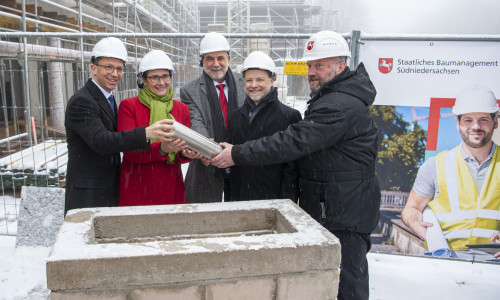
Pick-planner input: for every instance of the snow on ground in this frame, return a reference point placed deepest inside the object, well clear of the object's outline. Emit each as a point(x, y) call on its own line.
point(22, 271)
point(9, 209)
point(392, 277)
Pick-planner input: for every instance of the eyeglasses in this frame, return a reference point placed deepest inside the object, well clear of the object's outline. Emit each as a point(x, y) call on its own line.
point(156, 78)
point(111, 69)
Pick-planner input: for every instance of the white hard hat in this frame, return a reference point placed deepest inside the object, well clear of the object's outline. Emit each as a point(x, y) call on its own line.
point(258, 60)
point(213, 42)
point(325, 44)
point(110, 47)
point(475, 99)
point(156, 60)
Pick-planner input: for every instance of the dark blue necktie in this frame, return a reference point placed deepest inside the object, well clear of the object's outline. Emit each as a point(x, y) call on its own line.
point(111, 101)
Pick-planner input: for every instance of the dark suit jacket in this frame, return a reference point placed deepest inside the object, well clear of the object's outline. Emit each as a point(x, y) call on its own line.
point(94, 146)
point(272, 181)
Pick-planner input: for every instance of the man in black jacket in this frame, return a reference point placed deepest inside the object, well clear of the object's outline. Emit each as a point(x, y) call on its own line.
point(261, 115)
point(94, 146)
point(336, 147)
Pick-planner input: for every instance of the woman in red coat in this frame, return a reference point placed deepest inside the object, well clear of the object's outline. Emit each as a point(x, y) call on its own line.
point(154, 177)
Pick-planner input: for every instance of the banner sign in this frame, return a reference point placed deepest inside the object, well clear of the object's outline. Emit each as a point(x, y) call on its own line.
point(295, 68)
point(410, 73)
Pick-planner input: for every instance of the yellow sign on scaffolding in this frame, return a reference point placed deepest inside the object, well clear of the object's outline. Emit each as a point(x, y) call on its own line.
point(295, 68)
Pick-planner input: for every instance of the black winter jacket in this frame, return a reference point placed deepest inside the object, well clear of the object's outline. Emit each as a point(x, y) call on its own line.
point(336, 145)
point(275, 181)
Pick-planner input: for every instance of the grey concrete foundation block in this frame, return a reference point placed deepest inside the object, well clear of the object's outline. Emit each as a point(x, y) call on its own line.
point(40, 216)
point(190, 244)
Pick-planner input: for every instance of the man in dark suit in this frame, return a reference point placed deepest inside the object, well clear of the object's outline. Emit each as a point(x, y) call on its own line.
point(94, 146)
point(211, 98)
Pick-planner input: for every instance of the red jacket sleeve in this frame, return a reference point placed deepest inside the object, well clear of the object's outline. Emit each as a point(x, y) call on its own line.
point(132, 114)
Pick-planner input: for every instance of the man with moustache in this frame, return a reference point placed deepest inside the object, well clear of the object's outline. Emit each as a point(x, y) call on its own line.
point(336, 146)
point(211, 98)
point(460, 185)
point(94, 146)
point(261, 115)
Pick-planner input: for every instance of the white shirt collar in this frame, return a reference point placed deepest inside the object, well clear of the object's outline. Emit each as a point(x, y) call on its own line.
point(216, 83)
point(106, 94)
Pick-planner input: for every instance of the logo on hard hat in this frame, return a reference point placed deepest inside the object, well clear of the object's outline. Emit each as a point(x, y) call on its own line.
point(385, 65)
point(310, 45)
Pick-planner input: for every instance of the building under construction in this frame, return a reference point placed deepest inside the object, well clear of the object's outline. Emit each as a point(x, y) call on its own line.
point(45, 49)
point(57, 67)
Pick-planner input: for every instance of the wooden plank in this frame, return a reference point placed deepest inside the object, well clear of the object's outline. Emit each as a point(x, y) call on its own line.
point(11, 23)
point(72, 21)
point(9, 3)
point(50, 14)
point(30, 8)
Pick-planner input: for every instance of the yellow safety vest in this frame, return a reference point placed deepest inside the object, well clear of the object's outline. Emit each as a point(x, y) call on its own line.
point(464, 217)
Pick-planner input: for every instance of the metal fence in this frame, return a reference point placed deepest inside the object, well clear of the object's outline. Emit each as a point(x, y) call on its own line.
point(39, 71)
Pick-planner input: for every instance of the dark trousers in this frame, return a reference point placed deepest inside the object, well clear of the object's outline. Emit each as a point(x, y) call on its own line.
point(354, 283)
point(227, 190)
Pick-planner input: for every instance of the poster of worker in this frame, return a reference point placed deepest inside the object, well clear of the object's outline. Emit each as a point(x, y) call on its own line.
point(417, 85)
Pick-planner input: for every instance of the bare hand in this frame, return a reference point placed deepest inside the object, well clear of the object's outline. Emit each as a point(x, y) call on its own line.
point(160, 130)
point(205, 161)
point(495, 239)
point(191, 154)
point(412, 214)
point(420, 228)
point(173, 146)
point(224, 159)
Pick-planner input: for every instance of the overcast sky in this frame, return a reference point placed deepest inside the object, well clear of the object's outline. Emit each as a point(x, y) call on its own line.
point(419, 16)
